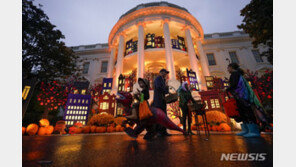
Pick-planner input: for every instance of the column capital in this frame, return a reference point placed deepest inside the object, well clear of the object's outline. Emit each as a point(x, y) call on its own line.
point(141, 23)
point(122, 33)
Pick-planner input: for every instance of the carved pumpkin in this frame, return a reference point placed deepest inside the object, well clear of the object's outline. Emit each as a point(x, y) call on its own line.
point(86, 129)
point(93, 129)
point(42, 131)
point(32, 129)
point(49, 130)
point(23, 130)
point(224, 127)
point(44, 122)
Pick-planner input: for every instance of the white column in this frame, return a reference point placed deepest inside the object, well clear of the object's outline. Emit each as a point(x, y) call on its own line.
point(203, 59)
point(119, 64)
point(192, 57)
point(168, 51)
point(111, 62)
point(141, 64)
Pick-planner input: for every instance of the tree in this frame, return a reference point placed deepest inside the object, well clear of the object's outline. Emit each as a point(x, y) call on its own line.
point(258, 23)
point(44, 54)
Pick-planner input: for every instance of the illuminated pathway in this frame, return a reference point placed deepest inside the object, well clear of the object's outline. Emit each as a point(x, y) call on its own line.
point(120, 150)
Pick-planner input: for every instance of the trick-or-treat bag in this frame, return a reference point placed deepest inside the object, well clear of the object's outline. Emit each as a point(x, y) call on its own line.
point(144, 110)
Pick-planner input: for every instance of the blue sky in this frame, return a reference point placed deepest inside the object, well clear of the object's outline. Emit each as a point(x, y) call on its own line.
point(90, 21)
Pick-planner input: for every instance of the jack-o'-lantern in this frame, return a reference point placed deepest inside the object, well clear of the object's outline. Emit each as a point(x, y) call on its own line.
point(32, 129)
point(44, 122)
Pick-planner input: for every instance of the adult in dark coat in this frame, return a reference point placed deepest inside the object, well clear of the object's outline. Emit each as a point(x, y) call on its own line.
point(160, 89)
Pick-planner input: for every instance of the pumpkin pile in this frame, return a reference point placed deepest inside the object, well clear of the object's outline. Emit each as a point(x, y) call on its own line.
point(45, 128)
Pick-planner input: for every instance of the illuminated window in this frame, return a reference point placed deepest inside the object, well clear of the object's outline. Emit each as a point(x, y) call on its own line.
point(217, 103)
point(105, 84)
point(85, 112)
point(74, 101)
point(67, 117)
point(83, 91)
point(83, 101)
point(75, 117)
point(206, 102)
point(68, 107)
point(86, 101)
point(70, 100)
point(109, 85)
point(84, 117)
point(78, 117)
point(106, 98)
point(104, 106)
point(26, 92)
point(112, 105)
point(79, 100)
point(74, 107)
point(79, 112)
point(86, 107)
point(70, 111)
point(83, 122)
point(72, 122)
point(213, 103)
point(75, 92)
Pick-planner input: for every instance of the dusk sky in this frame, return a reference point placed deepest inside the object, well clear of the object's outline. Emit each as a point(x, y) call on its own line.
point(86, 22)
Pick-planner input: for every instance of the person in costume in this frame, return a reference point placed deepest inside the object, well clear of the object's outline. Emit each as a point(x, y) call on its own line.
point(185, 97)
point(250, 109)
point(158, 116)
point(160, 90)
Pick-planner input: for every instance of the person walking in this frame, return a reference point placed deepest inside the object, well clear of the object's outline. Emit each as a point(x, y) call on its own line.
point(185, 97)
point(246, 101)
point(160, 90)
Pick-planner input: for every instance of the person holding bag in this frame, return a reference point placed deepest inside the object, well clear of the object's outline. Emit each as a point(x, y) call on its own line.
point(185, 97)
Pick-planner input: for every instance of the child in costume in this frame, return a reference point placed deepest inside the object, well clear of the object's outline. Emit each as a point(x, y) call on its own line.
point(250, 109)
point(185, 97)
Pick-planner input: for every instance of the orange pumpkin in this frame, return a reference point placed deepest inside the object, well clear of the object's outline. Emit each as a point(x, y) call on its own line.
point(110, 129)
point(98, 130)
point(32, 129)
point(23, 130)
point(78, 125)
point(42, 131)
point(214, 128)
point(49, 130)
point(224, 127)
point(44, 122)
point(118, 128)
point(121, 129)
point(86, 129)
point(72, 130)
point(93, 129)
point(78, 130)
point(103, 129)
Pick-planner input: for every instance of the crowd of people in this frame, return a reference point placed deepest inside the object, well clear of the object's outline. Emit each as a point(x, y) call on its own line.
point(251, 112)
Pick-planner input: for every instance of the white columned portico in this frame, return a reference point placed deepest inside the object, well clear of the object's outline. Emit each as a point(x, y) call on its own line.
point(192, 57)
point(111, 62)
point(203, 59)
point(168, 51)
point(141, 64)
point(119, 64)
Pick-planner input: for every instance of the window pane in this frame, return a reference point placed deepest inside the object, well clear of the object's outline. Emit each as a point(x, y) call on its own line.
point(104, 66)
point(233, 57)
point(211, 59)
point(257, 56)
point(85, 68)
